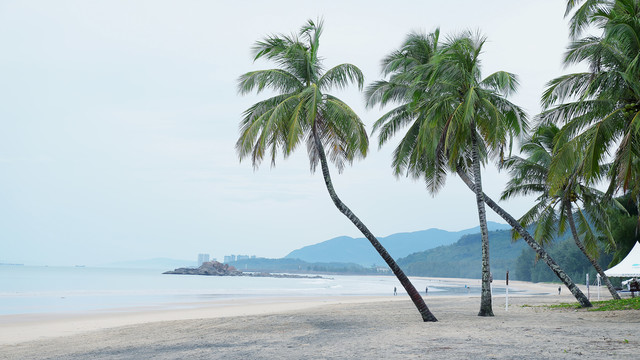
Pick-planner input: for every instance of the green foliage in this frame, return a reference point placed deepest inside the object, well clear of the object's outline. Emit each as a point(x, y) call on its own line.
point(563, 306)
point(606, 305)
point(623, 304)
point(625, 229)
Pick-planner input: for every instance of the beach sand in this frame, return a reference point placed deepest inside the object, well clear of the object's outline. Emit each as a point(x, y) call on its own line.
point(334, 328)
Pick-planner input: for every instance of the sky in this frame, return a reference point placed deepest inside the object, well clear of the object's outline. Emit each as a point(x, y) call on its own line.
point(119, 120)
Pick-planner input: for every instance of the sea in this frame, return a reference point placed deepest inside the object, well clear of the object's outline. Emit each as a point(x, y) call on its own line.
point(54, 290)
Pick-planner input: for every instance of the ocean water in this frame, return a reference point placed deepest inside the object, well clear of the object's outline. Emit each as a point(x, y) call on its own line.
point(31, 289)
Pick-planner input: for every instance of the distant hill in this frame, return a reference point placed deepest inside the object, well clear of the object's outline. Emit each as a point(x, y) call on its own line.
point(345, 249)
point(462, 259)
point(157, 263)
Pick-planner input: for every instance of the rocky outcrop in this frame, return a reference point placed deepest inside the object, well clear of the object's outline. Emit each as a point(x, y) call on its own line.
point(214, 268)
point(209, 268)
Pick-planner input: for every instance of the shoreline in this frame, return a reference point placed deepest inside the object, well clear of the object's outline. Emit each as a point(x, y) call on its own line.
point(19, 328)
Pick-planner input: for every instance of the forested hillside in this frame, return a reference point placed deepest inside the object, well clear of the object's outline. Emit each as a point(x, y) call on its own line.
point(567, 255)
point(463, 258)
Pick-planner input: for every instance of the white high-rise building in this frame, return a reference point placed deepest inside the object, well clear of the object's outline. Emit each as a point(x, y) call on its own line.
point(202, 258)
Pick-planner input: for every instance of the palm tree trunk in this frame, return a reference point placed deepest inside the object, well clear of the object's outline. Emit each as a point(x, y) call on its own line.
point(542, 254)
point(485, 298)
point(408, 286)
point(593, 262)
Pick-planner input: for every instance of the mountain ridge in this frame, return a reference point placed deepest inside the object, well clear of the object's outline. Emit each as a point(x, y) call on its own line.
point(359, 250)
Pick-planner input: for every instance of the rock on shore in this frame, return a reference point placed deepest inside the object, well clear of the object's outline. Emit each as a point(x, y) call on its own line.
point(209, 268)
point(214, 268)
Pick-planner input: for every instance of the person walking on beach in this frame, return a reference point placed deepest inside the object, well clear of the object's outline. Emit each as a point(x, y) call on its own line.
point(426, 290)
point(395, 291)
point(559, 289)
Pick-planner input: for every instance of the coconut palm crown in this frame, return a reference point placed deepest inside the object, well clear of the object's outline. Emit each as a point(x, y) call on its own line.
point(280, 123)
point(444, 100)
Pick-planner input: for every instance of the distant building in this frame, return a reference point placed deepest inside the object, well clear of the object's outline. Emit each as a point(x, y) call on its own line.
point(232, 258)
point(202, 258)
point(382, 269)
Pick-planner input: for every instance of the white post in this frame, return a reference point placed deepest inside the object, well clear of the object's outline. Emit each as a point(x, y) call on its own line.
point(598, 277)
point(588, 294)
point(506, 306)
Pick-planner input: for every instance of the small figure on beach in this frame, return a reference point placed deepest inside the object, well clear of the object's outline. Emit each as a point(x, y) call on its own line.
point(426, 290)
point(559, 289)
point(395, 291)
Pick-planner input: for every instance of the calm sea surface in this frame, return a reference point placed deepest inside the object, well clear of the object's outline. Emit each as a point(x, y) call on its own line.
point(31, 289)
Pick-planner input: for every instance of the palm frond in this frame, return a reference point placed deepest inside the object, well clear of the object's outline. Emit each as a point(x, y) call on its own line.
point(274, 79)
point(341, 76)
point(501, 82)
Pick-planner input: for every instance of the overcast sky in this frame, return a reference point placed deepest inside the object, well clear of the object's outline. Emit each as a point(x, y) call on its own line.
point(119, 120)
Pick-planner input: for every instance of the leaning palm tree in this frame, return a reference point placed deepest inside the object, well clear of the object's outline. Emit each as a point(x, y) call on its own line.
point(303, 112)
point(553, 211)
point(600, 108)
point(458, 119)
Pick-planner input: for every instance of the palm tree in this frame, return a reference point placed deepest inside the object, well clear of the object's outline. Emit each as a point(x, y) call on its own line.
point(458, 119)
point(553, 211)
point(600, 108)
point(302, 111)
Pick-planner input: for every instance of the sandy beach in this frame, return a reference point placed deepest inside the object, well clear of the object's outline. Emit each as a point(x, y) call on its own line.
point(333, 328)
